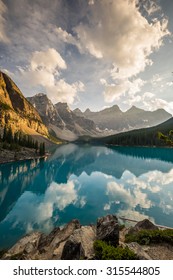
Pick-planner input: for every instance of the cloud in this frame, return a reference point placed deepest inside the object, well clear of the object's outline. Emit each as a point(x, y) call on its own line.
point(49, 60)
point(62, 91)
point(156, 79)
point(3, 35)
point(169, 84)
point(151, 102)
point(68, 38)
point(124, 38)
point(44, 70)
point(117, 32)
point(118, 192)
point(39, 209)
point(115, 91)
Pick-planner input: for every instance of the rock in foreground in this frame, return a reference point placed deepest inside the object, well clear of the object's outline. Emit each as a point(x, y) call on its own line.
point(76, 242)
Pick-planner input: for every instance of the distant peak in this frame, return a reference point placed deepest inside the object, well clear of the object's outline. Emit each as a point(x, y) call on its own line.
point(134, 109)
point(40, 95)
point(87, 111)
point(77, 110)
point(62, 105)
point(112, 109)
point(115, 107)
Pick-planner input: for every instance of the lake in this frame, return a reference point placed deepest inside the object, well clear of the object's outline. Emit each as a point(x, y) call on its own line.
point(85, 182)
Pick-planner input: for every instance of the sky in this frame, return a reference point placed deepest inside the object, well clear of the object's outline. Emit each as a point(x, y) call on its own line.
point(90, 53)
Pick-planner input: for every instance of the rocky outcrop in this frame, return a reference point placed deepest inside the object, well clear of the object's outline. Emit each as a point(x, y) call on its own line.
point(16, 111)
point(107, 229)
point(145, 224)
point(80, 244)
point(76, 242)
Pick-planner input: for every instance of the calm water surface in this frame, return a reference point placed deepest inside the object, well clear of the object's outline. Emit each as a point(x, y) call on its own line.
point(85, 182)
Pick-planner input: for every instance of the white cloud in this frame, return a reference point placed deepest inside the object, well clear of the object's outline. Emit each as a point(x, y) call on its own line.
point(118, 33)
point(3, 35)
point(169, 84)
point(117, 192)
point(61, 91)
point(156, 79)
point(48, 60)
point(66, 37)
point(60, 195)
point(44, 69)
point(151, 102)
point(122, 37)
point(115, 91)
point(39, 209)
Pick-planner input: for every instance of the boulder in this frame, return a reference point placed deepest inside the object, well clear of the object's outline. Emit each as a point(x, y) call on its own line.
point(107, 229)
point(138, 250)
point(51, 245)
point(25, 246)
point(144, 224)
point(80, 244)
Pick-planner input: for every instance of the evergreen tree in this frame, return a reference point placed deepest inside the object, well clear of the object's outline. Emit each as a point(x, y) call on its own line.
point(42, 149)
point(9, 136)
point(4, 134)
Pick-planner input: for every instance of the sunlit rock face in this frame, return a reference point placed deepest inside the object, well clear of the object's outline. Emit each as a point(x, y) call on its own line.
point(16, 111)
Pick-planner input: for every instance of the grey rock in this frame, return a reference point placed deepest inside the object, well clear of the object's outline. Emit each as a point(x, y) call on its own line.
point(144, 224)
point(107, 229)
point(26, 245)
point(80, 244)
point(138, 250)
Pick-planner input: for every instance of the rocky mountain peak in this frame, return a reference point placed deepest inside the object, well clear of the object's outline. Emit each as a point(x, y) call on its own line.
point(87, 111)
point(62, 106)
point(14, 106)
point(77, 111)
point(46, 109)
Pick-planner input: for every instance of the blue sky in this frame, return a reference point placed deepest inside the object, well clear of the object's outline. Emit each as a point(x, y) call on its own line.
point(90, 53)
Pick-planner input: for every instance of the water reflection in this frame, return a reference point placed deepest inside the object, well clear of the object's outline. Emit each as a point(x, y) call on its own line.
point(85, 182)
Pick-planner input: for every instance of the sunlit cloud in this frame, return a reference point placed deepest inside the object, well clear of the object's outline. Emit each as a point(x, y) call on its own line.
point(44, 70)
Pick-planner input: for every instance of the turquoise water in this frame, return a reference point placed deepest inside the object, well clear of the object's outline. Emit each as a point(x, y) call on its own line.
point(85, 182)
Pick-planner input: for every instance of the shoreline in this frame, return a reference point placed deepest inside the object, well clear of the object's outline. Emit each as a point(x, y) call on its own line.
point(7, 156)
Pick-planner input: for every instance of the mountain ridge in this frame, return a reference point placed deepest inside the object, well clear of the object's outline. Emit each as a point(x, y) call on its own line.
point(16, 111)
point(61, 121)
point(113, 118)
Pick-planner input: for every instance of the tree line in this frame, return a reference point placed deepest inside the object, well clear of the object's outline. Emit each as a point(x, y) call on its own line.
point(141, 138)
point(14, 141)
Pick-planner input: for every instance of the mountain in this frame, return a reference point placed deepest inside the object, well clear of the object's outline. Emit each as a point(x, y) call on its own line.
point(46, 109)
point(60, 120)
point(159, 135)
point(114, 119)
point(78, 124)
point(16, 111)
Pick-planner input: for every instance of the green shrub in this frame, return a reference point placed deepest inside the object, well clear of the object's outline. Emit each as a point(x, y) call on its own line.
point(103, 251)
point(121, 227)
point(145, 237)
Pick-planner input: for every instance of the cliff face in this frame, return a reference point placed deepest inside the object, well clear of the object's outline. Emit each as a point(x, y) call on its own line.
point(16, 111)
